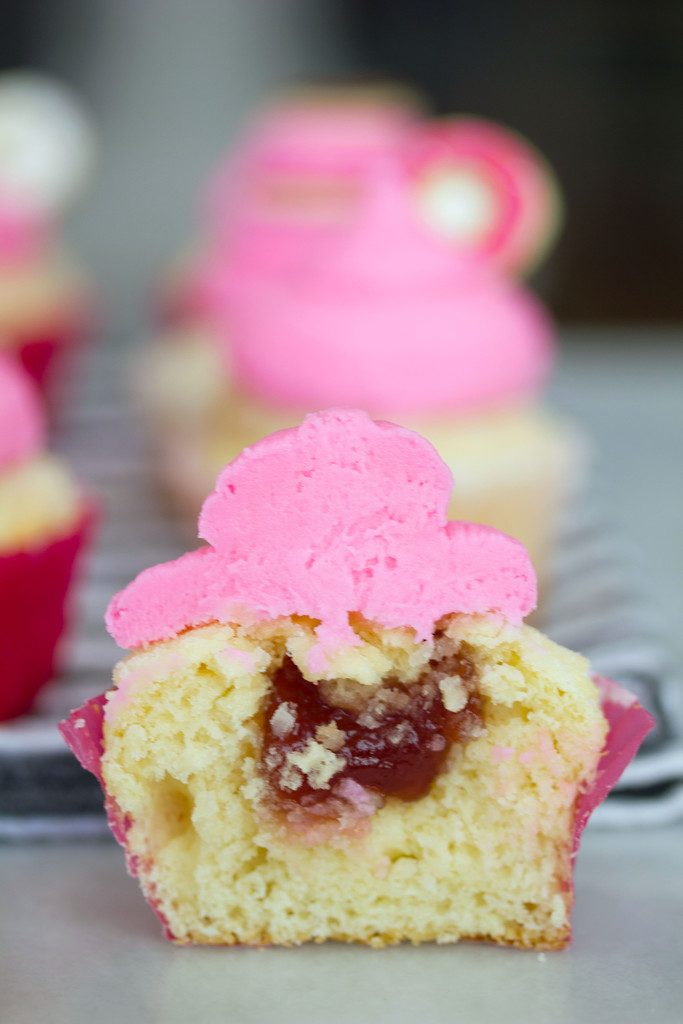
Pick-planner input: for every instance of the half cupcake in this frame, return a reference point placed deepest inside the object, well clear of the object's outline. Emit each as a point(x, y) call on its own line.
point(334, 724)
point(46, 154)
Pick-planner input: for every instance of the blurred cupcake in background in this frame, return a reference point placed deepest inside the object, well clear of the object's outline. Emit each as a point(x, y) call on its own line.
point(44, 525)
point(46, 152)
point(391, 317)
point(295, 179)
point(400, 297)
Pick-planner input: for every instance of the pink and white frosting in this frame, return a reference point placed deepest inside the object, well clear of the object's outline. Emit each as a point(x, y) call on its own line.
point(390, 317)
point(296, 178)
point(339, 515)
point(22, 421)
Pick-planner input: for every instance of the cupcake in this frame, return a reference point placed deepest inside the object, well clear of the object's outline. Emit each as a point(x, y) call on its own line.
point(45, 153)
point(296, 177)
point(333, 723)
point(391, 317)
point(299, 175)
point(44, 524)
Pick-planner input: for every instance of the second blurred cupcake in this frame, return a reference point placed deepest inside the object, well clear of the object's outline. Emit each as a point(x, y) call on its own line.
point(45, 153)
point(406, 306)
point(295, 178)
point(44, 525)
point(392, 319)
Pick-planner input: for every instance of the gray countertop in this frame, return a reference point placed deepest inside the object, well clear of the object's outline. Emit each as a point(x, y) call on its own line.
point(79, 944)
point(77, 941)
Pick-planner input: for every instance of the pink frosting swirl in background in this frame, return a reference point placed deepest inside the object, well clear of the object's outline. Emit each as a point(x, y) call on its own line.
point(325, 151)
point(386, 316)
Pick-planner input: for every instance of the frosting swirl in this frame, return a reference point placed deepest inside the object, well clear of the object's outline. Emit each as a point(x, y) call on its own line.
point(339, 515)
point(387, 316)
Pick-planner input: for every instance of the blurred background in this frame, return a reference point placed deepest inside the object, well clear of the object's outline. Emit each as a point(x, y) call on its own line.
point(159, 395)
point(597, 85)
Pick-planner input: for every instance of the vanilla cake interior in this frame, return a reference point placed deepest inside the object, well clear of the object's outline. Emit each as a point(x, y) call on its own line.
point(414, 791)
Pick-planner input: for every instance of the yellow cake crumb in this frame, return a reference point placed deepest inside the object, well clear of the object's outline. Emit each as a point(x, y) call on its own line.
point(331, 736)
point(283, 720)
point(317, 763)
point(453, 693)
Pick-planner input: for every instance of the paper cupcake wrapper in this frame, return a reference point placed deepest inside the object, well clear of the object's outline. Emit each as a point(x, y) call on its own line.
point(83, 732)
point(34, 590)
point(628, 722)
point(45, 357)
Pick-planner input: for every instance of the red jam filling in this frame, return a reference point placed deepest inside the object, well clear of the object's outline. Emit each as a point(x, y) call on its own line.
point(395, 744)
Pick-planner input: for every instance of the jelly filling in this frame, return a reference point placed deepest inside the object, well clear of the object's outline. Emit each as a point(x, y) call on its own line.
point(392, 740)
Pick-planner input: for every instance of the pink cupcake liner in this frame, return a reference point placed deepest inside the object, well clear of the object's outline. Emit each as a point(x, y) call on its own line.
point(46, 356)
point(628, 722)
point(34, 588)
point(83, 732)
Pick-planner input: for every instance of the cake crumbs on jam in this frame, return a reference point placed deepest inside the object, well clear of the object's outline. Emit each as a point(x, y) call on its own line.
point(393, 743)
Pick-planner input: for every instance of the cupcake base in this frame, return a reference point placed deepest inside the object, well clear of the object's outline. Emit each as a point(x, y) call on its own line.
point(46, 307)
point(34, 590)
point(486, 854)
point(178, 379)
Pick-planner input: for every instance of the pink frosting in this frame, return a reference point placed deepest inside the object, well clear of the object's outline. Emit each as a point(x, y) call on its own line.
point(23, 230)
point(327, 149)
point(305, 140)
point(388, 317)
point(339, 515)
point(316, 139)
point(22, 421)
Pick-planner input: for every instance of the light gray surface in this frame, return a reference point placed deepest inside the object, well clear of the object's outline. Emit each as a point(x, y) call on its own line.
point(78, 944)
point(626, 389)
